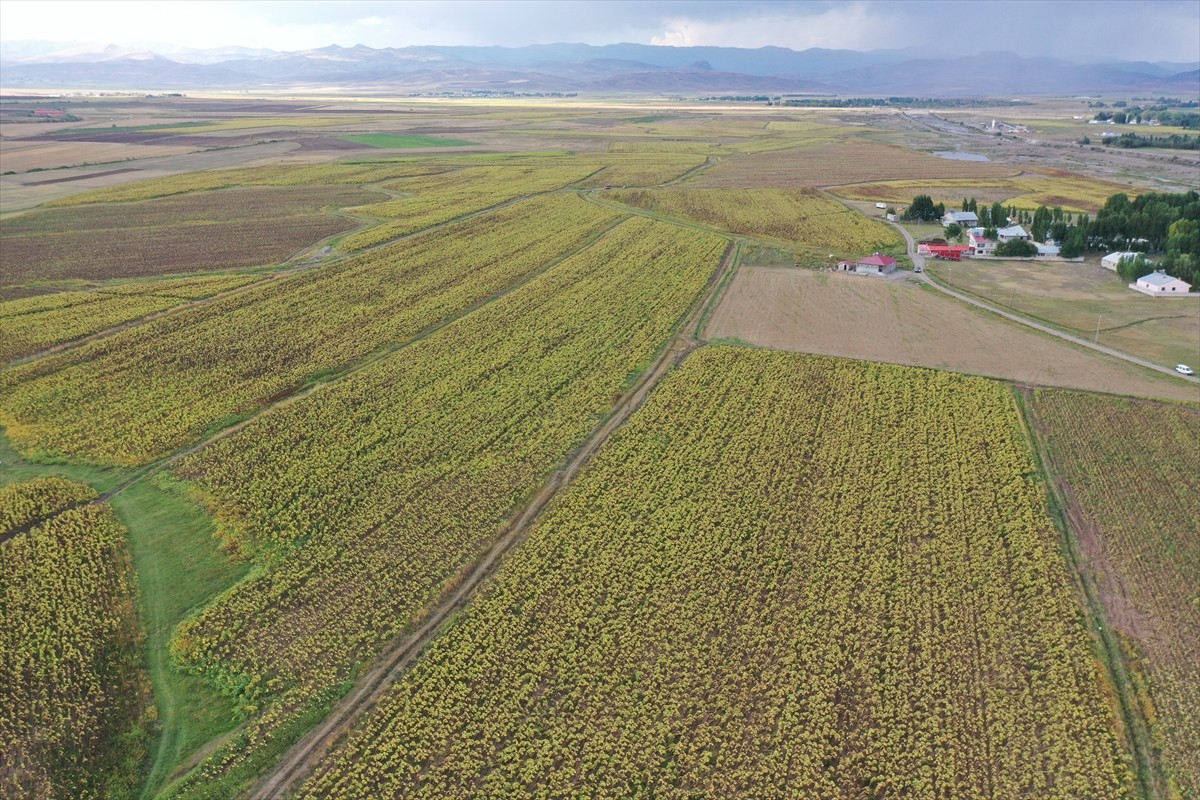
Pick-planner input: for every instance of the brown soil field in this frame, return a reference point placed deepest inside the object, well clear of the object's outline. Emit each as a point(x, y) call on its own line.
point(833, 163)
point(901, 323)
point(50, 155)
point(21, 192)
point(197, 232)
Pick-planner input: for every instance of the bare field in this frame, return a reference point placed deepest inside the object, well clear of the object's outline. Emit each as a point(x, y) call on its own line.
point(51, 155)
point(840, 162)
point(22, 192)
point(900, 323)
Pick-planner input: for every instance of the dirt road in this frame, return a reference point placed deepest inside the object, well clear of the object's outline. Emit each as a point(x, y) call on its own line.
point(919, 262)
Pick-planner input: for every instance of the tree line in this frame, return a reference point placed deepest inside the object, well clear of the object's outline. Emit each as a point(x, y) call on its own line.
point(1161, 224)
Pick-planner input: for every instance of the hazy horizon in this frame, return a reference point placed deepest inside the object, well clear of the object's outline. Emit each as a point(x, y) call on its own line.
point(1161, 31)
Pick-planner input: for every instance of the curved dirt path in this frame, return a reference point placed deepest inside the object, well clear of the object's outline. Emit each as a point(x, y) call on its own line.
point(294, 766)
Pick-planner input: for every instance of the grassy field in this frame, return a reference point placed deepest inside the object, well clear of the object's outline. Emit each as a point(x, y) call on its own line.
point(1083, 299)
point(893, 321)
point(405, 140)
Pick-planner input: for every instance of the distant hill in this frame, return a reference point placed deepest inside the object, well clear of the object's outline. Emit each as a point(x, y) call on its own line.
point(616, 68)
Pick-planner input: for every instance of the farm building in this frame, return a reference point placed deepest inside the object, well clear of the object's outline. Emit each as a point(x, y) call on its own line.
point(1160, 284)
point(980, 245)
point(874, 264)
point(1111, 260)
point(1011, 233)
point(1048, 250)
point(963, 218)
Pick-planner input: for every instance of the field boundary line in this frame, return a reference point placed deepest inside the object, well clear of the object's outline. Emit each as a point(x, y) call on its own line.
point(295, 765)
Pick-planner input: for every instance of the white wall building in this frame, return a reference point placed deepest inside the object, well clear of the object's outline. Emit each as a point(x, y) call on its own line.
point(1012, 232)
point(1160, 284)
point(1111, 260)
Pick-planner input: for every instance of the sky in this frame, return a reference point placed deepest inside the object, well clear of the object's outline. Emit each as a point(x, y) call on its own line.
point(1078, 30)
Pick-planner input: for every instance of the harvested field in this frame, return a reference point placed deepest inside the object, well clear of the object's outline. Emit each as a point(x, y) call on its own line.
point(51, 155)
point(17, 193)
point(196, 232)
point(839, 162)
point(896, 322)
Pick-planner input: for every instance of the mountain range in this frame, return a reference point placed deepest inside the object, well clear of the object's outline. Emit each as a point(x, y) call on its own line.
point(606, 69)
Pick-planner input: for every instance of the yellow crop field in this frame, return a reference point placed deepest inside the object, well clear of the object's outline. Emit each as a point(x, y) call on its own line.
point(276, 175)
point(1070, 191)
point(34, 323)
point(761, 588)
point(437, 198)
point(385, 484)
point(73, 688)
point(802, 216)
point(143, 392)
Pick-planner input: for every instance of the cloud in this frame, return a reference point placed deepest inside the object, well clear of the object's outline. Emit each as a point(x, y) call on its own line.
point(855, 26)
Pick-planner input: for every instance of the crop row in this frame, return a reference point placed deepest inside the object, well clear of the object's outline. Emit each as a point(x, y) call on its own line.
point(786, 576)
point(433, 199)
point(24, 504)
point(73, 691)
point(275, 175)
point(799, 215)
point(1134, 471)
point(141, 393)
point(31, 324)
point(365, 499)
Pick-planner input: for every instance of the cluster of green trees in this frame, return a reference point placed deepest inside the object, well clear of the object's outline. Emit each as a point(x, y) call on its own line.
point(1173, 141)
point(923, 209)
point(1156, 223)
point(1165, 112)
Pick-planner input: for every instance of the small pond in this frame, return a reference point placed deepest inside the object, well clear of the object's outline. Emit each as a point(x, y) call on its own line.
point(957, 156)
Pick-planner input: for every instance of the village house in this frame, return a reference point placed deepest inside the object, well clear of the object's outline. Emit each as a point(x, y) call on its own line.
point(1012, 233)
point(1160, 284)
point(965, 219)
point(874, 264)
point(1112, 260)
point(1048, 250)
point(980, 245)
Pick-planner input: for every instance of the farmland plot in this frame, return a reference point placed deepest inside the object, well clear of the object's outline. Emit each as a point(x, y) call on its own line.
point(441, 197)
point(73, 686)
point(30, 324)
point(1133, 472)
point(141, 393)
point(798, 215)
point(761, 588)
point(363, 499)
point(192, 233)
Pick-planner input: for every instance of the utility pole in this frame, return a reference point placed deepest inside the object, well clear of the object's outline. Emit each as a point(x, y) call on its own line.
point(1096, 338)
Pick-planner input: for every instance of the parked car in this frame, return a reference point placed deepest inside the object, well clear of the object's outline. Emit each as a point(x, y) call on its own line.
point(1184, 369)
